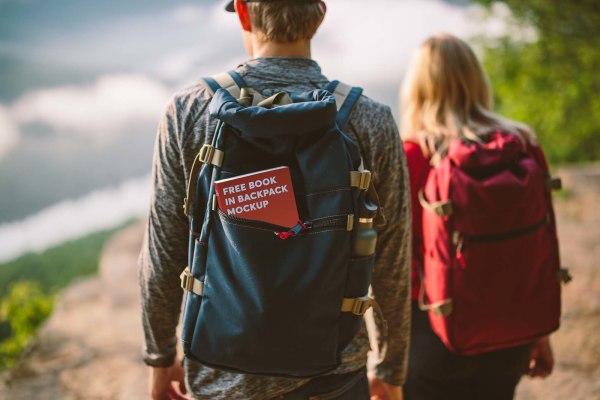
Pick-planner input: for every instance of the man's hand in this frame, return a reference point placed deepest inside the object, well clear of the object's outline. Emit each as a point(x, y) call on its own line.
point(541, 360)
point(165, 381)
point(383, 391)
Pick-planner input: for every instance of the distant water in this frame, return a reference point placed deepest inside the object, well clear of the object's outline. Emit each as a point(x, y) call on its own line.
point(71, 219)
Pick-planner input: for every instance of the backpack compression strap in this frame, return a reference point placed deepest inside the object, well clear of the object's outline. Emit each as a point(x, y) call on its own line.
point(346, 98)
point(233, 83)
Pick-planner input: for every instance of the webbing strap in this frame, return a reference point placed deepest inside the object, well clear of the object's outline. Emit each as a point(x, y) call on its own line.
point(360, 305)
point(207, 155)
point(346, 98)
point(210, 85)
point(340, 91)
point(441, 308)
point(191, 284)
point(230, 81)
point(380, 216)
point(439, 208)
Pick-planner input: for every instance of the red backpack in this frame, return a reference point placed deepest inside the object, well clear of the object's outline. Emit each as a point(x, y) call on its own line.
point(491, 267)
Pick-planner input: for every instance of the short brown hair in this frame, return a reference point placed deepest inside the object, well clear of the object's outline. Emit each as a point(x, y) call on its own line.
point(286, 21)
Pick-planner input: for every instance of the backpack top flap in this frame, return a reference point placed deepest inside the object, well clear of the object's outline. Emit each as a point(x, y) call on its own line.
point(309, 112)
point(500, 151)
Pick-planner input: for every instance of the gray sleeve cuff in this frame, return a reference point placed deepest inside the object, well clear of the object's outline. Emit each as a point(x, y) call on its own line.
point(163, 359)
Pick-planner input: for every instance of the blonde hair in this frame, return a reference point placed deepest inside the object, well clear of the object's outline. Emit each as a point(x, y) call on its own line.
point(446, 95)
point(286, 21)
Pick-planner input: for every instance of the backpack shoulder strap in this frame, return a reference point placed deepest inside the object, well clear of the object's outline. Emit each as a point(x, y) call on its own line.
point(230, 81)
point(346, 98)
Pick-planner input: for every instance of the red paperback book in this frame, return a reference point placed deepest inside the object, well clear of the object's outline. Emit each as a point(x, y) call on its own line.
point(264, 196)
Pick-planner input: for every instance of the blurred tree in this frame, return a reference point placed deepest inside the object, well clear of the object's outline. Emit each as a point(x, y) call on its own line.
point(552, 83)
point(24, 308)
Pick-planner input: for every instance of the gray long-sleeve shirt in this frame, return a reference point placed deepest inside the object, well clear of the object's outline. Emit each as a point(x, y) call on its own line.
point(183, 128)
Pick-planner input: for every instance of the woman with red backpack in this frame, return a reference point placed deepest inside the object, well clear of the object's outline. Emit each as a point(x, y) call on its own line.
point(486, 293)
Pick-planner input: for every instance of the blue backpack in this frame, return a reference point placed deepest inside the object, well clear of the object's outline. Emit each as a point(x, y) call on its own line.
point(257, 304)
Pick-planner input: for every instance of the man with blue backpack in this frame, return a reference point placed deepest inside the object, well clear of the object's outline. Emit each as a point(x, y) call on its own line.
point(272, 312)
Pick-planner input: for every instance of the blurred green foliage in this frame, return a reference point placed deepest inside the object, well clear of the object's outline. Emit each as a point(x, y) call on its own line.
point(29, 284)
point(552, 83)
point(24, 308)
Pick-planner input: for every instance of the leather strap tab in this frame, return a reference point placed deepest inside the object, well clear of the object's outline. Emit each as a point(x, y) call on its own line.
point(564, 275)
point(191, 284)
point(360, 179)
point(553, 183)
point(440, 208)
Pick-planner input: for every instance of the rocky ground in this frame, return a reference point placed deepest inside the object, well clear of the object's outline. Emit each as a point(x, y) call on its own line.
point(90, 348)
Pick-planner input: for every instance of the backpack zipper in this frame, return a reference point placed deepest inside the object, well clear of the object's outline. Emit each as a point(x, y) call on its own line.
point(459, 239)
point(320, 223)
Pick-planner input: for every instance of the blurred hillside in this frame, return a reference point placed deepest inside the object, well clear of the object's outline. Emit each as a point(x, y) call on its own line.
point(90, 348)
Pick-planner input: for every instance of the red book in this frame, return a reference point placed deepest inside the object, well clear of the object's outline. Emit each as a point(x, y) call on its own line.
point(264, 196)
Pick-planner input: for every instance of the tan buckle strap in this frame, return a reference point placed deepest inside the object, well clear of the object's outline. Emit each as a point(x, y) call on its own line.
point(360, 305)
point(441, 308)
point(439, 208)
point(564, 275)
point(553, 183)
point(207, 155)
point(191, 284)
point(210, 155)
point(360, 179)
